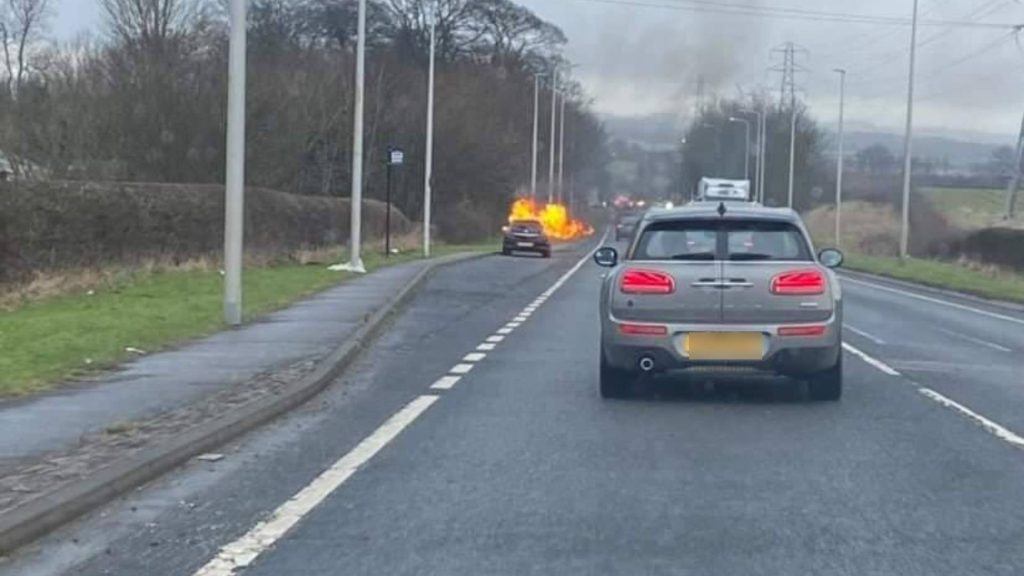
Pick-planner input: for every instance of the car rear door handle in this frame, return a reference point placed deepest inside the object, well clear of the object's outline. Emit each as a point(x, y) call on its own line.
point(737, 283)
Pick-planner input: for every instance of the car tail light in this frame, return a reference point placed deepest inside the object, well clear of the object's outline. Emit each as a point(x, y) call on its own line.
point(647, 282)
point(802, 330)
point(643, 329)
point(799, 283)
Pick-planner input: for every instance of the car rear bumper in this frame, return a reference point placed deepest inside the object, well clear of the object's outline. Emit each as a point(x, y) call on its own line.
point(789, 355)
point(523, 245)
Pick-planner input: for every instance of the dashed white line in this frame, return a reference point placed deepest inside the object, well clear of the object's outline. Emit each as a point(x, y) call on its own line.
point(504, 330)
point(495, 339)
point(513, 325)
point(995, 315)
point(445, 382)
point(486, 347)
point(864, 334)
point(872, 361)
point(245, 550)
point(977, 341)
point(996, 429)
point(474, 357)
point(461, 369)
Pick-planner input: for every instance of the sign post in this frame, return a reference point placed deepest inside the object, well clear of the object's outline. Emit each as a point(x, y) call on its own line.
point(396, 157)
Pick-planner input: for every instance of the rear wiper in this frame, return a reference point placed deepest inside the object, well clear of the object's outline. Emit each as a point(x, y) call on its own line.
point(695, 256)
point(750, 256)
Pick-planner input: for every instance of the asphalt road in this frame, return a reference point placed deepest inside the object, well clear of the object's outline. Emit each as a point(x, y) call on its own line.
point(519, 468)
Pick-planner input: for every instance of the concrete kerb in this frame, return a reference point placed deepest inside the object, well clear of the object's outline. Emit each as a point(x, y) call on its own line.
point(58, 507)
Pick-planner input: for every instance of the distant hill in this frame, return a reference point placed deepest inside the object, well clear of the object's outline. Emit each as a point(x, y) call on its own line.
point(959, 152)
point(658, 132)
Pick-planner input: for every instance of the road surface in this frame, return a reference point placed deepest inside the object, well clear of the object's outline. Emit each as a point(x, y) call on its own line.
point(441, 454)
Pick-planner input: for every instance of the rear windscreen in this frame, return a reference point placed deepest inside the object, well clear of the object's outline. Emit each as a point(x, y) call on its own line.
point(734, 240)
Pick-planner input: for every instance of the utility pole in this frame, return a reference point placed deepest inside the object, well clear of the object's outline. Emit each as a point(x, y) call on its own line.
point(234, 185)
point(536, 126)
point(1014, 186)
point(561, 150)
point(355, 262)
point(554, 118)
point(908, 145)
point(428, 171)
point(839, 159)
point(762, 168)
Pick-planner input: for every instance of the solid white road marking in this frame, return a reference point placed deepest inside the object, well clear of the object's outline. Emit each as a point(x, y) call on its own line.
point(864, 334)
point(461, 369)
point(445, 382)
point(977, 341)
point(474, 357)
point(938, 301)
point(495, 339)
point(996, 429)
point(486, 347)
point(876, 363)
point(245, 550)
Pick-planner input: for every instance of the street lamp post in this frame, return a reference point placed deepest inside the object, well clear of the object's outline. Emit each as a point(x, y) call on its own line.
point(428, 170)
point(234, 185)
point(746, 155)
point(561, 150)
point(536, 127)
point(908, 145)
point(839, 159)
point(554, 125)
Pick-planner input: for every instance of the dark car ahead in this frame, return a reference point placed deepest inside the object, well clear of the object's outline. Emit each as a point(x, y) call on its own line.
point(626, 225)
point(526, 236)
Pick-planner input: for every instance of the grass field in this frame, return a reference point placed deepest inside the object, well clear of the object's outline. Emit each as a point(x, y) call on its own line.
point(982, 281)
point(971, 208)
point(46, 341)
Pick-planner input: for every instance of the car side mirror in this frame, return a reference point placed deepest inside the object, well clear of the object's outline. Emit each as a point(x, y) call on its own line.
point(831, 258)
point(606, 257)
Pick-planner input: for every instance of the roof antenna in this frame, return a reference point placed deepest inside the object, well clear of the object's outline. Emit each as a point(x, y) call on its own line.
point(721, 209)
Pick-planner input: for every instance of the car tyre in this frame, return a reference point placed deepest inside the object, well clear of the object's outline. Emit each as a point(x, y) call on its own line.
point(506, 252)
point(828, 385)
point(546, 254)
point(615, 383)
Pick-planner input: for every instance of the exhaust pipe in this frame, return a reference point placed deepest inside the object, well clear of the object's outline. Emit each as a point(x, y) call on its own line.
point(647, 364)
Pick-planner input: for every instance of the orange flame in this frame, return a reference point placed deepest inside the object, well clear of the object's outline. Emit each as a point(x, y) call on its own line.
point(554, 217)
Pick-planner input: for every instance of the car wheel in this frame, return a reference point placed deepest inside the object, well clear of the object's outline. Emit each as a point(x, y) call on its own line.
point(506, 252)
point(615, 383)
point(827, 385)
point(546, 254)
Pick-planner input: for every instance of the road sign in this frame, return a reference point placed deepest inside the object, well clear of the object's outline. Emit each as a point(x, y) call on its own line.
point(396, 157)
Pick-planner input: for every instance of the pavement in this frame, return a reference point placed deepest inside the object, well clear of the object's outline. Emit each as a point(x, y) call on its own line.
point(439, 454)
point(164, 381)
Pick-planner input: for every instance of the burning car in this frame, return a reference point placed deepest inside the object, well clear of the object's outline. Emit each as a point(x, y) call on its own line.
point(526, 236)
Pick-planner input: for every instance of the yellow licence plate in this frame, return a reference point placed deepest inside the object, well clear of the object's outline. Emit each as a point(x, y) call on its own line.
point(724, 346)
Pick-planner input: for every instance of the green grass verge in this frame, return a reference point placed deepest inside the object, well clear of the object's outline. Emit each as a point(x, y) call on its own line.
point(44, 342)
point(985, 282)
point(971, 208)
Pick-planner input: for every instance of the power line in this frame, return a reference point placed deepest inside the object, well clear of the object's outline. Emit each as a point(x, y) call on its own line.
point(790, 13)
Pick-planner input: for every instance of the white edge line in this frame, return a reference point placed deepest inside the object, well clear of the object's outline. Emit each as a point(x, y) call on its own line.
point(978, 341)
point(937, 301)
point(995, 429)
point(243, 551)
point(864, 334)
point(872, 361)
point(445, 382)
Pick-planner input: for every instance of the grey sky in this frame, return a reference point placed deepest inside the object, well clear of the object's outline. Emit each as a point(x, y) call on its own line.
point(639, 60)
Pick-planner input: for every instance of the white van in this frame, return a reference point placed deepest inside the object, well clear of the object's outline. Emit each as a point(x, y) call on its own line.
point(719, 189)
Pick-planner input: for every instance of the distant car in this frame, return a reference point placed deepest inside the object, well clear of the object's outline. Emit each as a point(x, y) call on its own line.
point(626, 225)
point(526, 236)
point(710, 285)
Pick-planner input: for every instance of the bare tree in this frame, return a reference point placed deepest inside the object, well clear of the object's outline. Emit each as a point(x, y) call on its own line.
point(149, 24)
point(22, 24)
